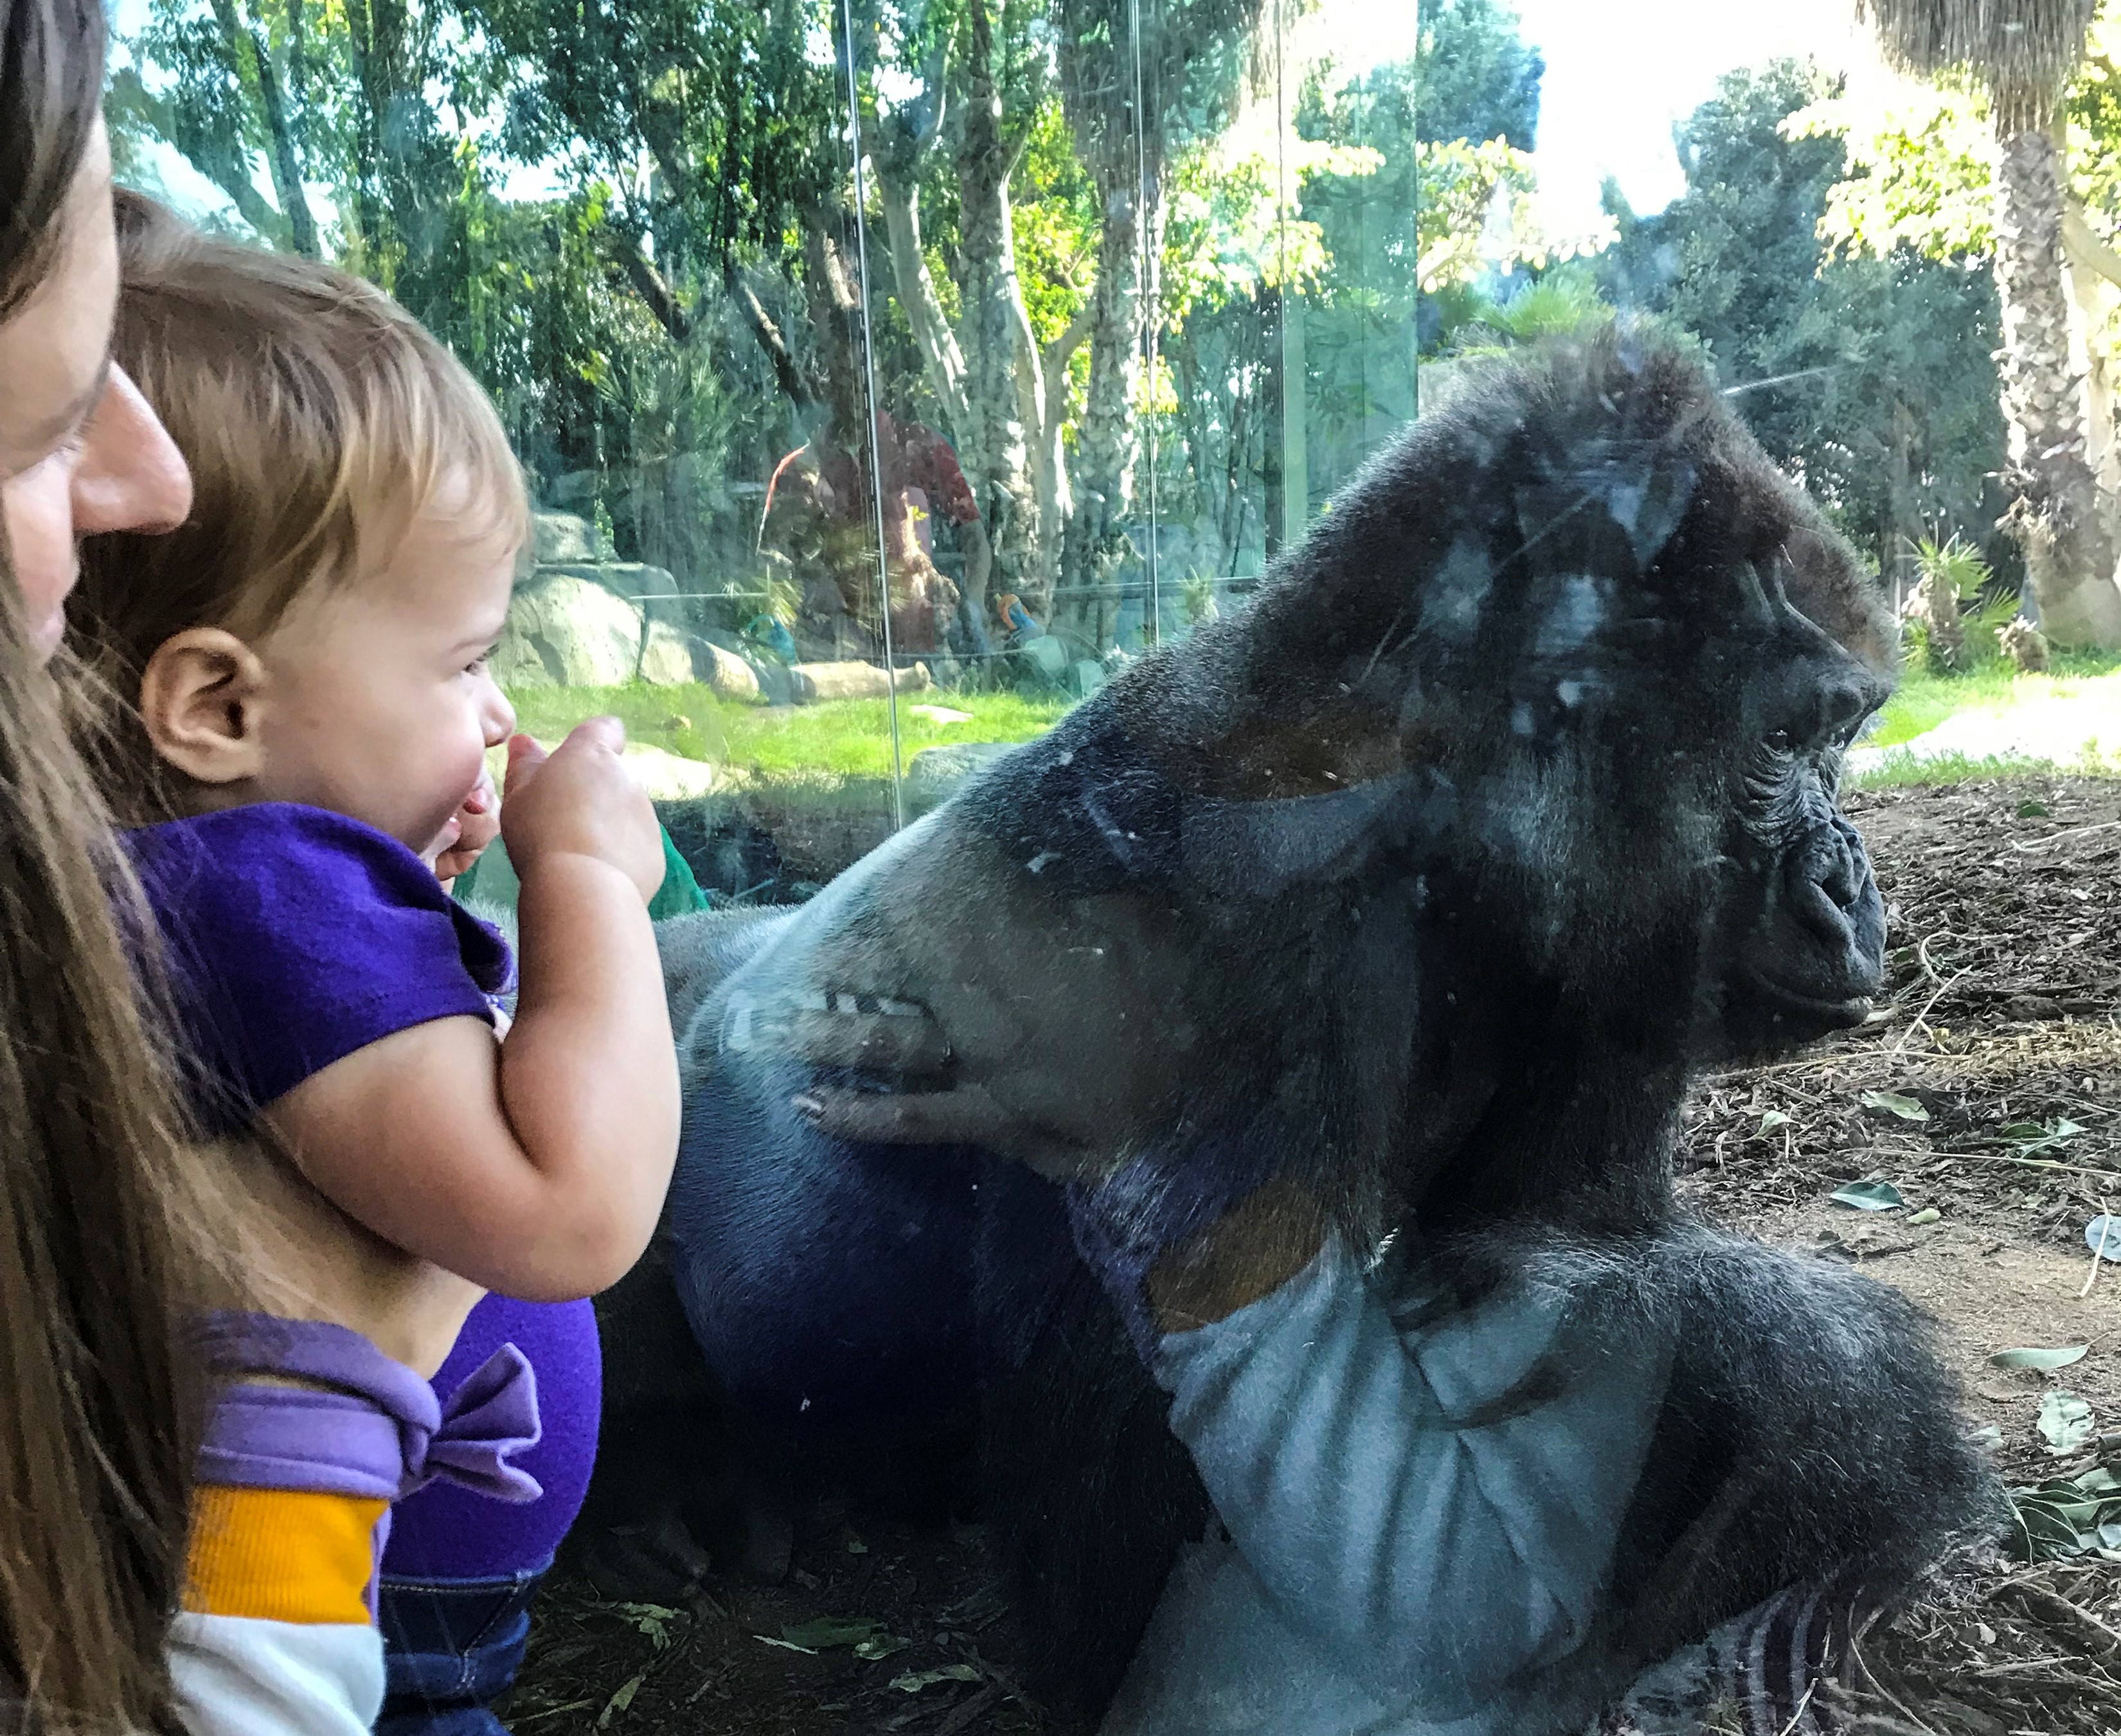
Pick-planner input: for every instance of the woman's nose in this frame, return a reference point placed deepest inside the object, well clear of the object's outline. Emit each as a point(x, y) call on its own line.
point(131, 476)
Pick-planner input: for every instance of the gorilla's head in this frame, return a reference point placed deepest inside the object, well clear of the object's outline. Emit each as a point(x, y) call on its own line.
point(1522, 766)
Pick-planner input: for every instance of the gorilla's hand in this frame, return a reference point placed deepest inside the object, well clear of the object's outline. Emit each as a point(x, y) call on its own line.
point(1052, 1030)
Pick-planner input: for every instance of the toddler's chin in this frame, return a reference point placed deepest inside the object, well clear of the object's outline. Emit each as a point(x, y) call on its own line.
point(444, 840)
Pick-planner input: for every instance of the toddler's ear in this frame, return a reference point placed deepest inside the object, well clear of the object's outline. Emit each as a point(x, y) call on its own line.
point(201, 699)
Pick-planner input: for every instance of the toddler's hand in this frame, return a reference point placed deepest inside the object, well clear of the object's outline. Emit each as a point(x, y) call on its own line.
point(579, 800)
point(478, 824)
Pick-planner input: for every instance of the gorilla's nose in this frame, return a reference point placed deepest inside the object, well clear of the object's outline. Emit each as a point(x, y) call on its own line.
point(1835, 895)
point(1844, 869)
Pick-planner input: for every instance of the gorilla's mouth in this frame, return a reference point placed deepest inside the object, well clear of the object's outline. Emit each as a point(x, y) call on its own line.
point(1834, 1010)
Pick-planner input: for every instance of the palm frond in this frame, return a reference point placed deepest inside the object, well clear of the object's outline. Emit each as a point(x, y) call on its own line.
point(2024, 51)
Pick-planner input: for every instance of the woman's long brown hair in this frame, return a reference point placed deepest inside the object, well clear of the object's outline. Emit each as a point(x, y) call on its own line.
point(94, 1444)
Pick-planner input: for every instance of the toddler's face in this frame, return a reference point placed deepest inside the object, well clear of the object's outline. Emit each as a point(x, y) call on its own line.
point(379, 703)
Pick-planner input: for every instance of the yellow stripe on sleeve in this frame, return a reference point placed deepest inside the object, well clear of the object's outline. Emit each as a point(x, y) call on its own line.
point(281, 1555)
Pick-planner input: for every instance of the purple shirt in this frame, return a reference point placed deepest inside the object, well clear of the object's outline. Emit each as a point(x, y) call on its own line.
point(295, 936)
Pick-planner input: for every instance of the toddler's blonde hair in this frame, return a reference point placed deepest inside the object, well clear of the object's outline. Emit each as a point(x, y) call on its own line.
point(319, 420)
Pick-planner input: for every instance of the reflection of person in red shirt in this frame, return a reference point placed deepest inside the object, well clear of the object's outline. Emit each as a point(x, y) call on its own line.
point(816, 517)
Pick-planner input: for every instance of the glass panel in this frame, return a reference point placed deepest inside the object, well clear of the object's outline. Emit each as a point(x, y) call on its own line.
point(640, 230)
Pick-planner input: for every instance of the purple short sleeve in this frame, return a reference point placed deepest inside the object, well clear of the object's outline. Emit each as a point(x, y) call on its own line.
point(295, 936)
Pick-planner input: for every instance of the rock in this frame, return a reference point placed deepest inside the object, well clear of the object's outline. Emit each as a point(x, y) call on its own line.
point(815, 683)
point(666, 660)
point(1049, 655)
point(932, 776)
point(557, 537)
point(940, 714)
point(650, 590)
point(730, 676)
point(665, 776)
point(565, 631)
point(1089, 676)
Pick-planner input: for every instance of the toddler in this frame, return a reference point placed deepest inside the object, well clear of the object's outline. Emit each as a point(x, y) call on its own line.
point(308, 657)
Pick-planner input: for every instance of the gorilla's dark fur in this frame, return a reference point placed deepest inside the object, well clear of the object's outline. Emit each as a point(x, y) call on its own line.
point(1509, 801)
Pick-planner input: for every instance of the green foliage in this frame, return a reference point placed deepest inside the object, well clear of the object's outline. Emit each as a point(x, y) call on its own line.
point(2066, 1516)
point(1870, 379)
point(1482, 79)
point(1956, 562)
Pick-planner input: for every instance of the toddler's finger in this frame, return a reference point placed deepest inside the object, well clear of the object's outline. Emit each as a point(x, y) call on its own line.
point(606, 732)
point(525, 756)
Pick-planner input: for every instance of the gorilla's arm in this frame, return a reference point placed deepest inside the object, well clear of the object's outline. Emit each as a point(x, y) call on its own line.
point(1433, 1499)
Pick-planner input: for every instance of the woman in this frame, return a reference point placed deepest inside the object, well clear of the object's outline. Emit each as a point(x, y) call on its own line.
point(102, 1236)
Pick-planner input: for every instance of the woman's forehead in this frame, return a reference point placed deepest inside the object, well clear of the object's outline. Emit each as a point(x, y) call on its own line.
point(55, 347)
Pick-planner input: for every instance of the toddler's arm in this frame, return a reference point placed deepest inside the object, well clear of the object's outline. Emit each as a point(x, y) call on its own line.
point(536, 1167)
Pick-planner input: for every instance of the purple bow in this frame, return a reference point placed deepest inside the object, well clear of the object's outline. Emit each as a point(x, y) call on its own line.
point(380, 1432)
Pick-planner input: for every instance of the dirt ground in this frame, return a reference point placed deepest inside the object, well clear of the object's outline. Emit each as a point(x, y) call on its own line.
point(1986, 1093)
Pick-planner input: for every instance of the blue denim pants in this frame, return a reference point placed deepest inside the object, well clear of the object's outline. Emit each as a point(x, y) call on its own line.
point(450, 1649)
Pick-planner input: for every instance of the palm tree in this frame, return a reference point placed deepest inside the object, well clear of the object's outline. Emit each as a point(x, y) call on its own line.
point(2025, 52)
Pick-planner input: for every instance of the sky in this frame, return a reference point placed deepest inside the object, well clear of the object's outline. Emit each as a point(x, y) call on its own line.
point(1618, 74)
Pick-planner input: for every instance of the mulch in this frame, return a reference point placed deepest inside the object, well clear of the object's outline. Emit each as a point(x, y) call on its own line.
point(1987, 1089)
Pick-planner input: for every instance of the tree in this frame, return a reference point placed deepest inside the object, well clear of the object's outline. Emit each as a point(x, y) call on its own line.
point(1480, 78)
point(1869, 378)
point(1140, 85)
point(2023, 53)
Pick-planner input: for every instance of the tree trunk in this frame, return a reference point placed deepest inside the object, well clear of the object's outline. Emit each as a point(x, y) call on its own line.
point(242, 37)
point(1108, 434)
point(994, 449)
point(2056, 513)
point(941, 359)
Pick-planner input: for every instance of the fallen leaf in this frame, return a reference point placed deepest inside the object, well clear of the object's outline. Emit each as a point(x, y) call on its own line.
point(2046, 1360)
point(881, 1647)
point(1868, 1195)
point(913, 1681)
point(785, 1645)
point(827, 1631)
point(1894, 1104)
point(1928, 1214)
point(1773, 1118)
point(2104, 1231)
point(620, 1700)
point(2065, 1421)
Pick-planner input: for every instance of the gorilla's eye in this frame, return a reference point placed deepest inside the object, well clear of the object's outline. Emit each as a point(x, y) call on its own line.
point(1781, 741)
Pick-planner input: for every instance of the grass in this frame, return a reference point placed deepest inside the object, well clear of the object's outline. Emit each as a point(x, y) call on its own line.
point(2079, 700)
point(850, 739)
point(833, 742)
point(1923, 701)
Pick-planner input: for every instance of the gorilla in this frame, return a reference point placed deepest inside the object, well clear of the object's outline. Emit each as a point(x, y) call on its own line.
point(1374, 930)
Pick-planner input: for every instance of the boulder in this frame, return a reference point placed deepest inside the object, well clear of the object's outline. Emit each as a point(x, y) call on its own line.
point(730, 676)
point(934, 774)
point(815, 683)
point(668, 777)
point(666, 660)
point(564, 631)
point(561, 537)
